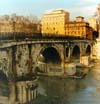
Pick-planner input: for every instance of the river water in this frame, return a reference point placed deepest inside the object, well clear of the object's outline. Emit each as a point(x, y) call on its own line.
point(70, 91)
point(53, 90)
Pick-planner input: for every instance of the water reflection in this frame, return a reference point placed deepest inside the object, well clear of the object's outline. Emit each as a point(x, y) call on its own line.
point(53, 90)
point(4, 89)
point(70, 91)
point(60, 91)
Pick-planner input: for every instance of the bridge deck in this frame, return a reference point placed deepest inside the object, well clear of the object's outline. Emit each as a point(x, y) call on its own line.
point(11, 39)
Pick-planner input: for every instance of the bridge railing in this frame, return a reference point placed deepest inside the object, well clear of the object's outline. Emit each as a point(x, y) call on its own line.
point(27, 36)
point(18, 35)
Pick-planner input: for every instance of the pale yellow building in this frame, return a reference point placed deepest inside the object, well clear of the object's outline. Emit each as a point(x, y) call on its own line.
point(79, 28)
point(53, 23)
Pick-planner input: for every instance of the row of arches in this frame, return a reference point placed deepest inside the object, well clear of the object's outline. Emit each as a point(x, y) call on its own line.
point(50, 54)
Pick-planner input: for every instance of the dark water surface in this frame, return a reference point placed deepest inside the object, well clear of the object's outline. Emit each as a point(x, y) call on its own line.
point(65, 91)
point(70, 91)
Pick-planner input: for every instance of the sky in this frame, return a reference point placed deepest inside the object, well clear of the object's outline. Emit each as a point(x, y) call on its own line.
point(85, 8)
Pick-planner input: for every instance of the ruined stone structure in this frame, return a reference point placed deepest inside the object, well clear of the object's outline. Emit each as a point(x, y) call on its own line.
point(22, 57)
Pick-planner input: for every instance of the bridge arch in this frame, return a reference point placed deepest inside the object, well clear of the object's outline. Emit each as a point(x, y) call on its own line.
point(76, 52)
point(50, 55)
point(88, 50)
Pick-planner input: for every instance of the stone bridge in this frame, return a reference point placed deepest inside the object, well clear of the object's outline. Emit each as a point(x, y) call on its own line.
point(19, 57)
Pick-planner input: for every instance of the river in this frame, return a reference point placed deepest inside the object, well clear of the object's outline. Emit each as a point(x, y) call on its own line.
point(70, 91)
point(54, 90)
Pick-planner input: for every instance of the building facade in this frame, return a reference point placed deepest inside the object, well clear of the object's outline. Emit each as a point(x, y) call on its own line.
point(57, 23)
point(79, 28)
point(54, 22)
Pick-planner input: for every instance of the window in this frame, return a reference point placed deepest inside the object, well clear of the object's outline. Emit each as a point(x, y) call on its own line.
point(53, 28)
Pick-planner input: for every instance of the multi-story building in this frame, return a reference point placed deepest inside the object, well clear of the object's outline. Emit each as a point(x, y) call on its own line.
point(79, 28)
point(56, 23)
point(53, 23)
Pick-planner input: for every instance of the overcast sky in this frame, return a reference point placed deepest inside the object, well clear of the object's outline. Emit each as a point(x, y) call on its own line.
point(84, 8)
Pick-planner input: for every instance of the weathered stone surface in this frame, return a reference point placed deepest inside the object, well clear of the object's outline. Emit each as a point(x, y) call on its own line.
point(96, 49)
point(22, 57)
point(5, 61)
point(70, 68)
point(85, 60)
